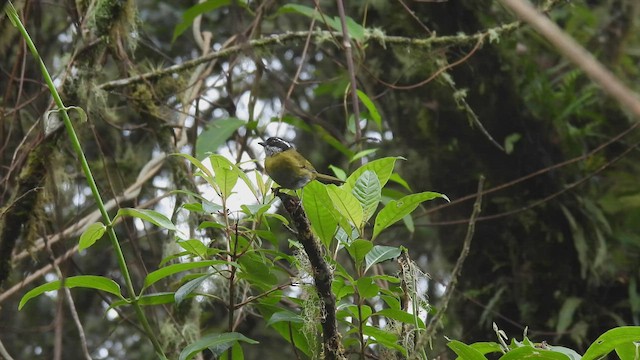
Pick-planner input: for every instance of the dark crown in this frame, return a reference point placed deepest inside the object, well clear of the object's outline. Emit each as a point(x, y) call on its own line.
point(278, 143)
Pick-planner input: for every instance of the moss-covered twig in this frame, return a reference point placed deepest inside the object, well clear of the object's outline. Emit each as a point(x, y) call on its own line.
point(318, 36)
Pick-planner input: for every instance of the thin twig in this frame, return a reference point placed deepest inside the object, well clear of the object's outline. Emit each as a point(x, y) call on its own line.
point(346, 43)
point(457, 269)
point(72, 306)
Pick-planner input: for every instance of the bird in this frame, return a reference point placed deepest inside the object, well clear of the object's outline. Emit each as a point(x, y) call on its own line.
point(288, 168)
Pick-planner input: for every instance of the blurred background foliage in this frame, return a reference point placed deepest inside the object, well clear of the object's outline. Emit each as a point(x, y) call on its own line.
point(557, 253)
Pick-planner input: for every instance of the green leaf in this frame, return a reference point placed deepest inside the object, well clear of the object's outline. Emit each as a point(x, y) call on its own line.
point(287, 316)
point(204, 7)
point(367, 288)
point(205, 173)
point(579, 241)
point(156, 299)
point(610, 340)
point(84, 281)
point(565, 315)
point(510, 142)
point(397, 209)
point(382, 337)
point(217, 132)
point(486, 347)
point(292, 332)
point(381, 167)
point(222, 354)
point(340, 288)
point(226, 174)
point(381, 253)
point(368, 192)
point(529, 352)
point(358, 250)
point(373, 112)
point(465, 351)
point(339, 173)
point(213, 342)
point(151, 216)
point(189, 287)
point(391, 301)
point(148, 300)
point(362, 314)
point(257, 270)
point(396, 178)
point(356, 31)
point(172, 269)
point(194, 246)
point(573, 355)
point(402, 316)
point(92, 234)
point(210, 224)
point(316, 203)
point(362, 154)
point(346, 204)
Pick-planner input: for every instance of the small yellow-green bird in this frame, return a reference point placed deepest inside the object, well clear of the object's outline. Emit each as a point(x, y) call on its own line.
point(288, 168)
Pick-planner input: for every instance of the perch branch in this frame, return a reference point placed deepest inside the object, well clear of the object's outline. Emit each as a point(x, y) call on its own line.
point(322, 276)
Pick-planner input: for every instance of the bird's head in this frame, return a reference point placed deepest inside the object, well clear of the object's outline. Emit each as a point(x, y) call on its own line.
point(275, 145)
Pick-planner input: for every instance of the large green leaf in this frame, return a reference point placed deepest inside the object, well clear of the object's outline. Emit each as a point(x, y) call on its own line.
point(172, 269)
point(316, 203)
point(465, 351)
point(194, 246)
point(226, 174)
point(346, 204)
point(368, 192)
point(367, 288)
point(610, 340)
point(83, 281)
point(286, 316)
point(358, 249)
point(381, 167)
point(381, 253)
point(216, 133)
point(214, 342)
point(151, 216)
point(190, 286)
point(402, 316)
point(530, 352)
point(397, 209)
point(383, 337)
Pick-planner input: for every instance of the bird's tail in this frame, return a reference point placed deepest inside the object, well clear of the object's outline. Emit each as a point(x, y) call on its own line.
point(329, 179)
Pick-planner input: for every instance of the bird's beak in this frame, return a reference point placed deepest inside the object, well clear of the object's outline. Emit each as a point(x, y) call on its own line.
point(261, 143)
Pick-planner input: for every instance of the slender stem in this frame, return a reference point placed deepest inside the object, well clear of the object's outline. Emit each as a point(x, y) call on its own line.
point(346, 42)
point(457, 269)
point(232, 286)
point(75, 142)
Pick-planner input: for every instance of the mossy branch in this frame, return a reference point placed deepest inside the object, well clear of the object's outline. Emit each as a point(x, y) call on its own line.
point(322, 276)
point(319, 36)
